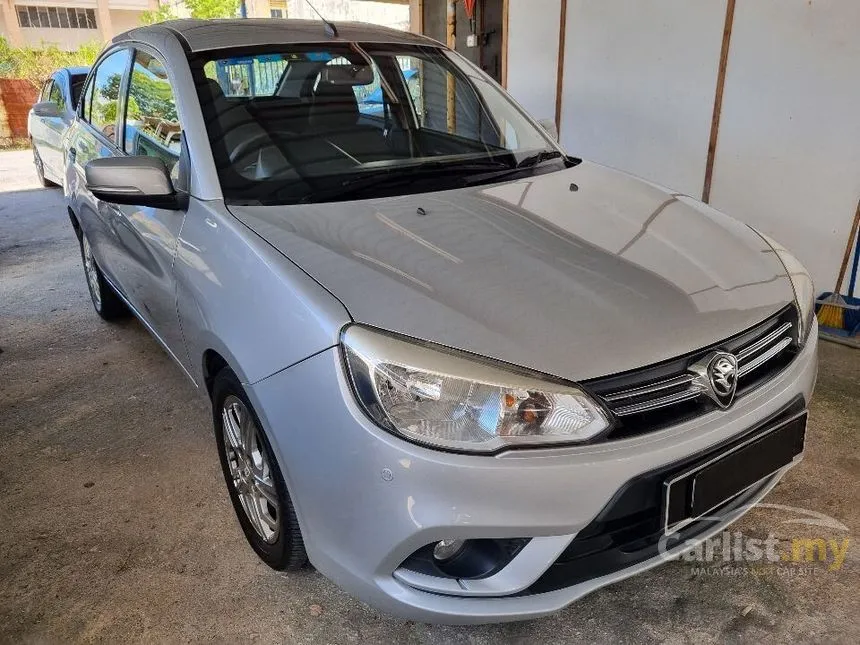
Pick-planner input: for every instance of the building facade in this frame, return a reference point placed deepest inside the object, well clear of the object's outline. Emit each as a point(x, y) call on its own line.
point(68, 23)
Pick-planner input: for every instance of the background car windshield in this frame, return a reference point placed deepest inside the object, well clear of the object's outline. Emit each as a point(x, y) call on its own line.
point(316, 124)
point(78, 81)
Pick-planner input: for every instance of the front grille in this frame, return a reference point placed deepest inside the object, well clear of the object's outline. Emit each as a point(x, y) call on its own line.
point(668, 393)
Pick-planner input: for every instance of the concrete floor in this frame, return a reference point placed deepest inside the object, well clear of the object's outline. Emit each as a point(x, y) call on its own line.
point(115, 522)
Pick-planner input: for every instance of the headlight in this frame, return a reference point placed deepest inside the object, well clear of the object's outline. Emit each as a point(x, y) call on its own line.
point(804, 290)
point(448, 400)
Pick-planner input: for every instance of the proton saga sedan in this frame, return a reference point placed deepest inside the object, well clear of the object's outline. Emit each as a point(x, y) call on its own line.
point(466, 375)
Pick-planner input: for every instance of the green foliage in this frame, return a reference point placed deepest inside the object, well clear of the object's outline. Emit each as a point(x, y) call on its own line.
point(35, 64)
point(206, 9)
point(162, 14)
point(152, 96)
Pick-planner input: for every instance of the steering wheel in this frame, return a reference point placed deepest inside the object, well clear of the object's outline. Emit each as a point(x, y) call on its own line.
point(251, 144)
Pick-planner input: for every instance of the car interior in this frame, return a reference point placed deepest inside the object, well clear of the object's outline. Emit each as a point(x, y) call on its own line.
point(313, 125)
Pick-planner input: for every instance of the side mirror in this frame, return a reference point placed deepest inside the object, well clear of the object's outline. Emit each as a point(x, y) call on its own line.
point(46, 109)
point(138, 181)
point(550, 127)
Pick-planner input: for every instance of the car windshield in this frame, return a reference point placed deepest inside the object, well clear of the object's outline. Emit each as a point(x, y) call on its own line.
point(339, 121)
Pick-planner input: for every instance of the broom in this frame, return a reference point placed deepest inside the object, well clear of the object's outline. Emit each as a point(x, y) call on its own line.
point(832, 310)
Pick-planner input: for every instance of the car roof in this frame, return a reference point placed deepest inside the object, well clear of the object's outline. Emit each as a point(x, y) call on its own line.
point(201, 35)
point(73, 71)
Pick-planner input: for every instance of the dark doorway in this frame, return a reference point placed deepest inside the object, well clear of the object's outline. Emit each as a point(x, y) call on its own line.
point(489, 25)
point(491, 21)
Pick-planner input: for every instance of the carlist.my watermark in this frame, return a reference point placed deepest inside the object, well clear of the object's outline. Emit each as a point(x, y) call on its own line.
point(807, 543)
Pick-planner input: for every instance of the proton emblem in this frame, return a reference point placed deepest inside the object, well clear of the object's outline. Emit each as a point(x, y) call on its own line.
point(723, 373)
point(717, 377)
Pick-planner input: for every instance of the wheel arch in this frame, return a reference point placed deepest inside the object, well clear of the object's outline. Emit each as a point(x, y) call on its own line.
point(76, 225)
point(213, 363)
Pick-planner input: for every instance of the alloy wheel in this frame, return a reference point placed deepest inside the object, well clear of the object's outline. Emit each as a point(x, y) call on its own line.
point(250, 470)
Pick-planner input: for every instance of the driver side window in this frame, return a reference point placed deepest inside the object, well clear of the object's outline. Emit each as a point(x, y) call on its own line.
point(151, 122)
point(101, 99)
point(56, 96)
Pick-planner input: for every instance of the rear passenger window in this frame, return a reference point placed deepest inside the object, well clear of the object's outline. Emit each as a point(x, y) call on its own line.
point(248, 76)
point(102, 97)
point(367, 96)
point(151, 123)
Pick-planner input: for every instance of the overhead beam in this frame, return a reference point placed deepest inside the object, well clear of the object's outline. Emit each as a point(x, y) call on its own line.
point(718, 100)
point(559, 84)
point(451, 41)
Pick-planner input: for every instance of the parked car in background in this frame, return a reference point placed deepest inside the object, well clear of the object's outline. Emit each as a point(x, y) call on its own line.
point(467, 376)
point(50, 117)
point(374, 104)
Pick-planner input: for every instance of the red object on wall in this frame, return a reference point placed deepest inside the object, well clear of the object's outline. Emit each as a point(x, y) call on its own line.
point(18, 97)
point(469, 6)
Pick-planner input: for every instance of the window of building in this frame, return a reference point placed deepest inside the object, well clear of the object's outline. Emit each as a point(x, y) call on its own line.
point(56, 18)
point(278, 8)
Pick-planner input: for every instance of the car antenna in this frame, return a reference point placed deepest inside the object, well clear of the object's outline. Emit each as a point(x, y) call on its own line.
point(330, 29)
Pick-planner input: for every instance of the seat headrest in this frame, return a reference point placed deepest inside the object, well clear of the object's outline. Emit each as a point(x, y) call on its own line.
point(334, 106)
point(215, 91)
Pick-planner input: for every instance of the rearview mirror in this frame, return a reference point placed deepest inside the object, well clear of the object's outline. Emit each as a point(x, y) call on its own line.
point(550, 127)
point(46, 109)
point(138, 181)
point(347, 75)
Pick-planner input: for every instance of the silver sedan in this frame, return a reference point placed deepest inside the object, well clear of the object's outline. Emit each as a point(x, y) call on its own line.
point(468, 376)
point(50, 117)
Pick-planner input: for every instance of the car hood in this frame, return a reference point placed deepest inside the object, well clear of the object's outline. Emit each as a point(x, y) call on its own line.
point(578, 273)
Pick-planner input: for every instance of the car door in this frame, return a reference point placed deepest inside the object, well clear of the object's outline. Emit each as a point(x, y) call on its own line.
point(39, 131)
point(53, 129)
point(147, 236)
point(94, 136)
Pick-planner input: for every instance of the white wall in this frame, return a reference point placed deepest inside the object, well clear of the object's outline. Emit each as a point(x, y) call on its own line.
point(638, 93)
point(381, 13)
point(66, 39)
point(639, 81)
point(788, 153)
point(533, 32)
point(122, 20)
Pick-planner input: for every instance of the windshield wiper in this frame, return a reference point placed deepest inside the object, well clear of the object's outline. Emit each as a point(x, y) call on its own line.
point(539, 158)
point(398, 175)
point(527, 163)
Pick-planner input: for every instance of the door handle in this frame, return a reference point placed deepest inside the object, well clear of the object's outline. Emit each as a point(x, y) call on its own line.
point(72, 154)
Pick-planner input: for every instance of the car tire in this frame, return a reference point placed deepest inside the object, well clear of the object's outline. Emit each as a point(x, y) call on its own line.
point(40, 168)
point(254, 480)
point(106, 302)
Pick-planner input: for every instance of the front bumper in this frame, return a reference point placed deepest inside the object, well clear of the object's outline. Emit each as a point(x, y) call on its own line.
point(366, 500)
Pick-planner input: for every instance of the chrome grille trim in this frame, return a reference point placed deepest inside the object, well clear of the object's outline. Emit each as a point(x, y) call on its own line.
point(662, 402)
point(757, 346)
point(675, 381)
point(658, 394)
point(761, 359)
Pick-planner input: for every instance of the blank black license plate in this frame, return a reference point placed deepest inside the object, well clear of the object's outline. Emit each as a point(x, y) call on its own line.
point(707, 486)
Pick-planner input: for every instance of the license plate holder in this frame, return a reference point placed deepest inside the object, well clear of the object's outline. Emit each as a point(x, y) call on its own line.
point(699, 490)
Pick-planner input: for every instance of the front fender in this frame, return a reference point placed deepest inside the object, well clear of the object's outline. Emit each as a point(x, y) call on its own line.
point(240, 297)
